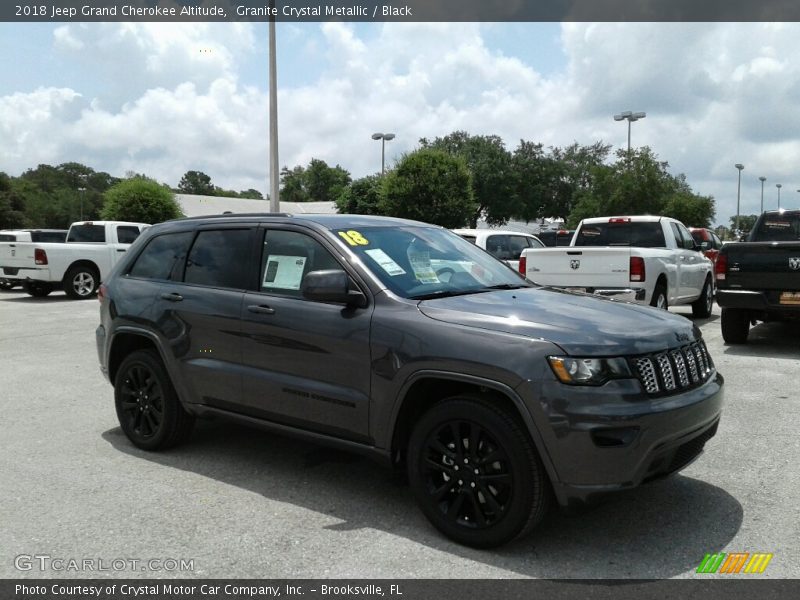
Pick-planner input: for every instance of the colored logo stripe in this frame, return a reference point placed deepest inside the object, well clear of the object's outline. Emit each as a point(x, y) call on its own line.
point(735, 562)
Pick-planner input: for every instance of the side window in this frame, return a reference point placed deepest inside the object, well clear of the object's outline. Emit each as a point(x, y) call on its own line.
point(678, 236)
point(219, 258)
point(535, 243)
point(163, 257)
point(127, 234)
point(688, 242)
point(717, 241)
point(286, 257)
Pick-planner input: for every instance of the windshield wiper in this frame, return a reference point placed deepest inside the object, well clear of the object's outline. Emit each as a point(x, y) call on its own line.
point(507, 286)
point(446, 294)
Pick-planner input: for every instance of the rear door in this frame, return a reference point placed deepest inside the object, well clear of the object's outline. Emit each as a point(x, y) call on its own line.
point(305, 363)
point(690, 263)
point(199, 313)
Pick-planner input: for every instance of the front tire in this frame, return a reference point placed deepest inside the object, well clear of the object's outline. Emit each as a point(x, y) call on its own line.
point(735, 325)
point(148, 408)
point(702, 307)
point(81, 282)
point(475, 473)
point(37, 289)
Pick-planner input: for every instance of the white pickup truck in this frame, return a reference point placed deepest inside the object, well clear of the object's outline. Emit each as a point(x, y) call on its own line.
point(79, 265)
point(647, 259)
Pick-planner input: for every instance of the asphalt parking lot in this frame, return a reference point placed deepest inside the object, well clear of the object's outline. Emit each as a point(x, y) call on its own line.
point(241, 503)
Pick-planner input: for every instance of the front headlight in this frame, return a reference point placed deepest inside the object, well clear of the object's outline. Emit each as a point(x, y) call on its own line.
point(588, 371)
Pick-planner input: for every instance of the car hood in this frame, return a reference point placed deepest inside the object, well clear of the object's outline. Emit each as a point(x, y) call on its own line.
point(581, 324)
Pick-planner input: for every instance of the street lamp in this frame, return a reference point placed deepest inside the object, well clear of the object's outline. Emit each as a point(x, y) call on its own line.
point(82, 190)
point(739, 167)
point(383, 137)
point(762, 180)
point(779, 186)
point(630, 117)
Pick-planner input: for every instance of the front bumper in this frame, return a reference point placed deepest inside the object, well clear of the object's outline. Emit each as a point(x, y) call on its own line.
point(616, 437)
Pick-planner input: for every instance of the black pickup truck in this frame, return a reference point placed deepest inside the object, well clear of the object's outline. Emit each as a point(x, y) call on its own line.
point(759, 280)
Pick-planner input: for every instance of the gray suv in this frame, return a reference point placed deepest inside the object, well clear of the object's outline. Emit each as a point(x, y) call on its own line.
point(403, 341)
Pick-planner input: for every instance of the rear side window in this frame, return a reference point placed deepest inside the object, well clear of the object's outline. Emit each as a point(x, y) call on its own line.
point(777, 227)
point(49, 236)
point(163, 257)
point(87, 234)
point(7, 237)
point(642, 235)
point(469, 238)
point(220, 258)
point(127, 234)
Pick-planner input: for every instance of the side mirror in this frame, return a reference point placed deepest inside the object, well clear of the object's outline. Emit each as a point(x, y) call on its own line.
point(331, 285)
point(705, 245)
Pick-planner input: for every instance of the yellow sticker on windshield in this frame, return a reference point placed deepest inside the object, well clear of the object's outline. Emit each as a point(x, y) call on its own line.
point(354, 238)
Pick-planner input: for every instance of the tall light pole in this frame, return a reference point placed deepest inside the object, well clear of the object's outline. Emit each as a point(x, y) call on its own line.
point(630, 117)
point(779, 186)
point(762, 180)
point(739, 167)
point(383, 137)
point(274, 177)
point(82, 191)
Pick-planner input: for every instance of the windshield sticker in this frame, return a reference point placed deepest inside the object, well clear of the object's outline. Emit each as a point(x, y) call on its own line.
point(354, 238)
point(421, 264)
point(385, 262)
point(284, 272)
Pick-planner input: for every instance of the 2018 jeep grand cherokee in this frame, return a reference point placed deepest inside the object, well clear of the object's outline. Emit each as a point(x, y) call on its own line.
point(402, 340)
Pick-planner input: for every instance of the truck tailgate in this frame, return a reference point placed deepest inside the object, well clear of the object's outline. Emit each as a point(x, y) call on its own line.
point(580, 267)
point(763, 265)
point(16, 255)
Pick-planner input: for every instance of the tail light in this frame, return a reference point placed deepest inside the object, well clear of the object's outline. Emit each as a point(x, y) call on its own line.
point(523, 265)
point(637, 268)
point(40, 256)
point(102, 292)
point(721, 267)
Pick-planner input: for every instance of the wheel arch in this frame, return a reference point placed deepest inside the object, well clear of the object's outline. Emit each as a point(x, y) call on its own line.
point(126, 341)
point(83, 262)
point(423, 389)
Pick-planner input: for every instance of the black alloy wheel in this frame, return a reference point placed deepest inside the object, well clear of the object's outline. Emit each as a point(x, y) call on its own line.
point(148, 408)
point(475, 472)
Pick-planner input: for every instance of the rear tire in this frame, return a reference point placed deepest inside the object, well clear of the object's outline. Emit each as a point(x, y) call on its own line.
point(81, 282)
point(659, 299)
point(6, 284)
point(702, 307)
point(147, 404)
point(735, 325)
point(37, 289)
point(475, 473)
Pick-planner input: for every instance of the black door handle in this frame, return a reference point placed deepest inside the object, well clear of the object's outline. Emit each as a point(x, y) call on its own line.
point(173, 297)
point(261, 309)
point(120, 249)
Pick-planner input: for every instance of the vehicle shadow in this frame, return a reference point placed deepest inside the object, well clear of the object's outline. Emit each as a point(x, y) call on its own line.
point(54, 297)
point(658, 531)
point(770, 340)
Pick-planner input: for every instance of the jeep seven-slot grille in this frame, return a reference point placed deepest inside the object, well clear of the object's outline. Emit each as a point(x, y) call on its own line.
point(675, 370)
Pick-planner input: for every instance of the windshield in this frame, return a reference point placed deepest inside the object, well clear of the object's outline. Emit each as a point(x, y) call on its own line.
point(427, 262)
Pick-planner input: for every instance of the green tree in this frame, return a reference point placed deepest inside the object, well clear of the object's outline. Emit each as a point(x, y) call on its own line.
point(746, 223)
point(140, 200)
point(430, 185)
point(536, 180)
point(362, 197)
point(324, 183)
point(293, 185)
point(196, 182)
point(690, 209)
point(12, 207)
point(490, 166)
point(252, 194)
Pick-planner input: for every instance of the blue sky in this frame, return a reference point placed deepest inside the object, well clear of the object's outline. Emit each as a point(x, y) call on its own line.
point(165, 98)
